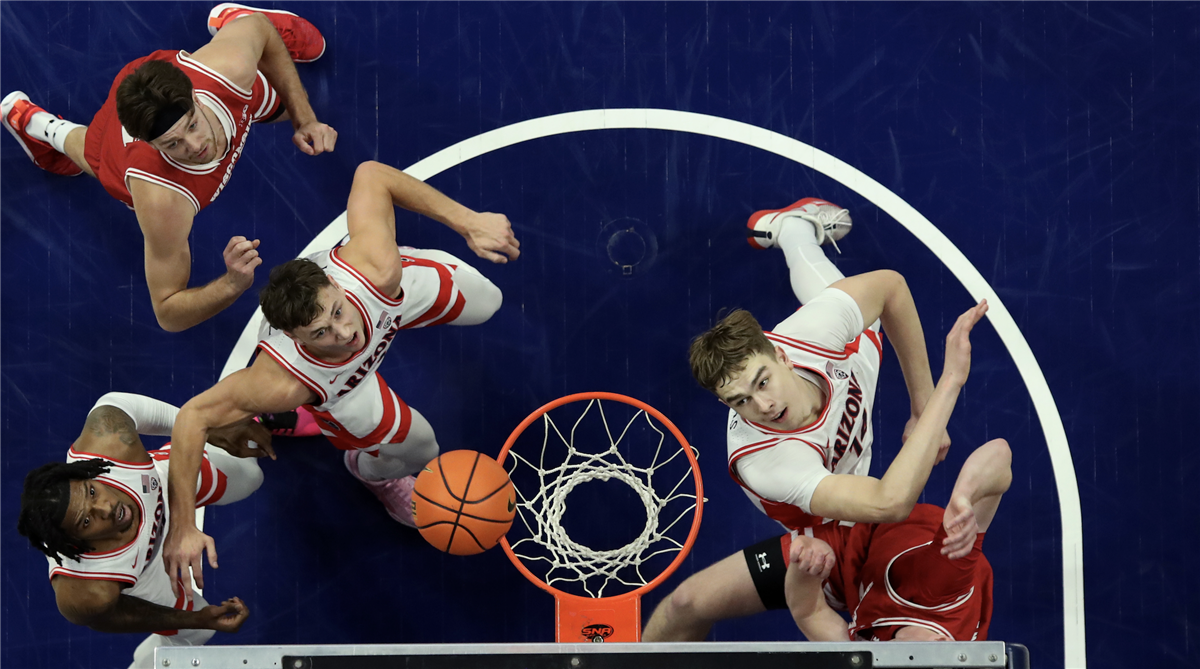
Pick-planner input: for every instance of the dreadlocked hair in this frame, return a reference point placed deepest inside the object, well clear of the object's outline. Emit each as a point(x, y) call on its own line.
point(47, 492)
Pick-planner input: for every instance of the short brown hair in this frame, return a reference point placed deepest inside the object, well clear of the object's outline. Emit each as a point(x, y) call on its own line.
point(290, 299)
point(149, 90)
point(719, 354)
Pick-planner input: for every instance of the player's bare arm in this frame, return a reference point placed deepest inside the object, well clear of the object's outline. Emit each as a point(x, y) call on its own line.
point(884, 295)
point(985, 477)
point(264, 387)
point(809, 565)
point(371, 221)
point(110, 432)
point(100, 605)
point(891, 498)
point(166, 221)
point(250, 44)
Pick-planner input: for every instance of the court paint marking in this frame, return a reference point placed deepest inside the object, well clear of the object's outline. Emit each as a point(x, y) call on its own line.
point(665, 119)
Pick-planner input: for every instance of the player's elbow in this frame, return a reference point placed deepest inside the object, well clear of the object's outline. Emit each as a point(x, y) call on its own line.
point(1003, 455)
point(890, 508)
point(169, 319)
point(89, 614)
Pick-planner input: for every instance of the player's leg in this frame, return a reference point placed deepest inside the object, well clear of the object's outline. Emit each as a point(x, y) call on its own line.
point(983, 480)
point(482, 297)
point(52, 143)
point(233, 479)
point(388, 470)
point(800, 230)
point(302, 39)
point(223, 479)
point(728, 589)
point(408, 457)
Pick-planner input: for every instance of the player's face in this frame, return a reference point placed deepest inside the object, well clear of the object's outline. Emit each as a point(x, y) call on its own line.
point(192, 140)
point(767, 392)
point(337, 332)
point(97, 513)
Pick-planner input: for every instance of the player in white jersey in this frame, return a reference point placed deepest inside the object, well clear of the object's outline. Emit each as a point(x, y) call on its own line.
point(336, 315)
point(100, 517)
point(800, 398)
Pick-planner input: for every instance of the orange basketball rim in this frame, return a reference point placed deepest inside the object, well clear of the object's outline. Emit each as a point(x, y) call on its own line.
point(615, 618)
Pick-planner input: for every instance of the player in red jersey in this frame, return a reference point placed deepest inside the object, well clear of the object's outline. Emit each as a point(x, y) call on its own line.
point(903, 581)
point(333, 318)
point(166, 141)
point(800, 397)
point(100, 517)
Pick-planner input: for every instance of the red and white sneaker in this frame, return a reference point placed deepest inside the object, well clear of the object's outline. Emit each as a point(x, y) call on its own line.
point(298, 423)
point(396, 494)
point(16, 110)
point(303, 41)
point(830, 221)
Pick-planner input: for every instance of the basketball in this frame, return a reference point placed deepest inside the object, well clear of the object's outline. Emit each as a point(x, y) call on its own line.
point(463, 502)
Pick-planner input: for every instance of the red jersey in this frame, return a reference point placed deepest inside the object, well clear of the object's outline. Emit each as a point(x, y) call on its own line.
point(892, 575)
point(116, 157)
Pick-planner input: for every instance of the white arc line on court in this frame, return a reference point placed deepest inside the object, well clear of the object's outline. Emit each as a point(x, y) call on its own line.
point(1074, 651)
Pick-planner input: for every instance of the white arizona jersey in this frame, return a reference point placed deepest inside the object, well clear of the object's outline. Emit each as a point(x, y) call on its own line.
point(779, 470)
point(355, 408)
point(144, 485)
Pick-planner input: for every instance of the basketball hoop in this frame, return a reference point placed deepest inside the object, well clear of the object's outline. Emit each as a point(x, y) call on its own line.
point(635, 457)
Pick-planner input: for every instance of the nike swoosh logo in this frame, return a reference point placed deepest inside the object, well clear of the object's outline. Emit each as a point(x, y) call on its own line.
point(334, 380)
point(511, 505)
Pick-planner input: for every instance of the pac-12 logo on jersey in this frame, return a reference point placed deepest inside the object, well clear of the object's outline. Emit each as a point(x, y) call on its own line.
point(834, 372)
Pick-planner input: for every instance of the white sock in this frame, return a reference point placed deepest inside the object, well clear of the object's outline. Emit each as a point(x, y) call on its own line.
point(810, 269)
point(51, 129)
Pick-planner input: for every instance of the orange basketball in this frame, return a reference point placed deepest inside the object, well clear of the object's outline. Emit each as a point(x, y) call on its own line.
point(463, 502)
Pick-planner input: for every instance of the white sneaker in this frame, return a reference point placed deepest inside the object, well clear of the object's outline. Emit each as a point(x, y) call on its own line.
point(830, 221)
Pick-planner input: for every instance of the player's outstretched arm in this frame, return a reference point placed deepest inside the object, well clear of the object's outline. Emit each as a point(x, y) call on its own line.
point(251, 44)
point(264, 387)
point(371, 222)
point(101, 606)
point(810, 562)
point(984, 478)
point(891, 498)
point(166, 221)
point(884, 295)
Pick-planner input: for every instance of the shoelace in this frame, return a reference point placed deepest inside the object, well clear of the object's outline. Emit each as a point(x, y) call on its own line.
point(827, 221)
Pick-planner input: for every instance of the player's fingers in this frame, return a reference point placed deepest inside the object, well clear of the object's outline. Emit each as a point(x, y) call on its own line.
point(172, 569)
point(301, 143)
point(211, 547)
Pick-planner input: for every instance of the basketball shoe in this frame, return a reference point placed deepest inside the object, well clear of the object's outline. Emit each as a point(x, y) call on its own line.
point(396, 494)
point(302, 39)
point(298, 423)
point(16, 110)
point(830, 221)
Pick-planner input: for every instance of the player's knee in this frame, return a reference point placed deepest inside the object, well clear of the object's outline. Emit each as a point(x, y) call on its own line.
point(483, 298)
point(686, 604)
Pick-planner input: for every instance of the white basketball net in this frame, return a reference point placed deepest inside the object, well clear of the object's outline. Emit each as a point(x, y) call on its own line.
point(567, 561)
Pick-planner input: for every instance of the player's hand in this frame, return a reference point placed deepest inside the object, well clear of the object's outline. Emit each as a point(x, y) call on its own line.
point(958, 345)
point(228, 617)
point(811, 556)
point(961, 528)
point(944, 438)
point(491, 237)
point(315, 138)
point(241, 257)
point(250, 439)
point(183, 557)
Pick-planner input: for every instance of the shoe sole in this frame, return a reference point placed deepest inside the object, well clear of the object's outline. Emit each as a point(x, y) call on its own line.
point(215, 12)
point(6, 106)
point(757, 216)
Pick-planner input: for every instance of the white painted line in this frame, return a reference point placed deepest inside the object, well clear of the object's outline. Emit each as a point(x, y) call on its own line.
point(665, 119)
